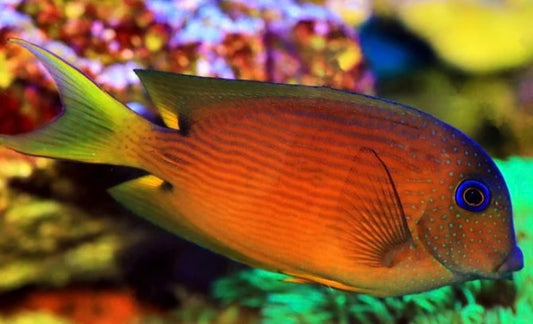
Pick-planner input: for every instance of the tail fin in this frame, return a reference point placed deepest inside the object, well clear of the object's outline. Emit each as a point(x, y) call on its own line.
point(94, 127)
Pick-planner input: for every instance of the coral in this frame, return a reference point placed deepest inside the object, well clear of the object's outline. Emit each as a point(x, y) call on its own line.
point(44, 241)
point(352, 12)
point(85, 305)
point(297, 42)
point(34, 317)
point(474, 36)
point(316, 304)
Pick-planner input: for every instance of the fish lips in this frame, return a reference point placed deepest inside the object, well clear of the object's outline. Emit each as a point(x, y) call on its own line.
point(514, 262)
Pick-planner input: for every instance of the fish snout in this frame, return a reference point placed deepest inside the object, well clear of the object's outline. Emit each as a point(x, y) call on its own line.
point(514, 262)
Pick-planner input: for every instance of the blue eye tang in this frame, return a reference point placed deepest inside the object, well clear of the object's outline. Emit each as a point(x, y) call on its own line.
point(472, 195)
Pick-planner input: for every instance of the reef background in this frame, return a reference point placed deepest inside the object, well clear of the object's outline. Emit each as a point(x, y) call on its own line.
point(70, 254)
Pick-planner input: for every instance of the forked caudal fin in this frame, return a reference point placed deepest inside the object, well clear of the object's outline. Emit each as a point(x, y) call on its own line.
point(93, 127)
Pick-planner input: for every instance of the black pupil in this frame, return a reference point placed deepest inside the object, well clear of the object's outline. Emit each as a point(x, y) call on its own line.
point(473, 197)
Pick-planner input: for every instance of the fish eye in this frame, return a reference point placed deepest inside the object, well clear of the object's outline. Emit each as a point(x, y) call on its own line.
point(472, 195)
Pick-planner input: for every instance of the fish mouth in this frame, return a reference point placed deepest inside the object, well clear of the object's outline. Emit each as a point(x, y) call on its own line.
point(514, 262)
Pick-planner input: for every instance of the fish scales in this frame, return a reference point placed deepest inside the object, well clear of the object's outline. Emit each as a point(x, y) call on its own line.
point(291, 194)
point(330, 187)
point(224, 168)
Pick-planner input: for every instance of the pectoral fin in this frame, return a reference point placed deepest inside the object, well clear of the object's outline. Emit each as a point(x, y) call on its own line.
point(375, 231)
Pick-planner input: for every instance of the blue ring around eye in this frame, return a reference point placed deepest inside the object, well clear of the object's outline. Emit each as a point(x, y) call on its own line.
point(472, 195)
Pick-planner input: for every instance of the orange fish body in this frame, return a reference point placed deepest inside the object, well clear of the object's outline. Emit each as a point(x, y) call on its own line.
point(328, 186)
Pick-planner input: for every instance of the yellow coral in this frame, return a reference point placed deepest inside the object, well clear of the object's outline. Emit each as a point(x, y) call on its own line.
point(476, 36)
point(352, 12)
point(6, 76)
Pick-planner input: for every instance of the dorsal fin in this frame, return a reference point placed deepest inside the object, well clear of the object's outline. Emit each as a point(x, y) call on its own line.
point(177, 96)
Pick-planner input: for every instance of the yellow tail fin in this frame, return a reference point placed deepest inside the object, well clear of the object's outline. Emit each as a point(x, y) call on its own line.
point(93, 127)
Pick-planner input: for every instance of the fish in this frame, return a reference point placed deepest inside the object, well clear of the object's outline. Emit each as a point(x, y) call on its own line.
point(327, 186)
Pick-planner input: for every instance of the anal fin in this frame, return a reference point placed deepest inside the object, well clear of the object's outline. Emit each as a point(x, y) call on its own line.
point(149, 197)
point(156, 201)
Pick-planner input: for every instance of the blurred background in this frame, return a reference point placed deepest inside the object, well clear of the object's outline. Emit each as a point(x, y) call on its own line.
point(70, 254)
